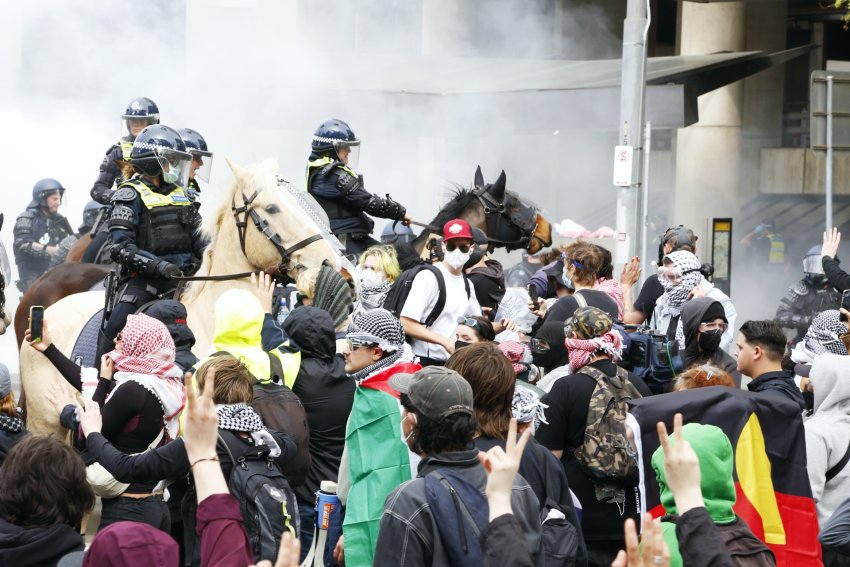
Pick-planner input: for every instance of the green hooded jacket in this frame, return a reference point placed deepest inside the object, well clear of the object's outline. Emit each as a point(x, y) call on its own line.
point(716, 462)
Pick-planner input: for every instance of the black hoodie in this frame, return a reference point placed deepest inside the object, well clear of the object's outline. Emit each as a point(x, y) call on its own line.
point(326, 391)
point(173, 314)
point(489, 283)
point(693, 312)
point(37, 547)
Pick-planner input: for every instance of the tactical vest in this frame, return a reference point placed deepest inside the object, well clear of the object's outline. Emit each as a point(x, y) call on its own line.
point(167, 222)
point(777, 249)
point(335, 208)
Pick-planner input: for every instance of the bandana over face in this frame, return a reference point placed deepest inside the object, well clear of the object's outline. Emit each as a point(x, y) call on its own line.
point(676, 294)
point(594, 334)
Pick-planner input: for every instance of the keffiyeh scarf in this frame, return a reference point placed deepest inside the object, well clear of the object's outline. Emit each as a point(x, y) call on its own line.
point(372, 297)
point(581, 350)
point(614, 290)
point(516, 353)
point(11, 424)
point(242, 417)
point(824, 334)
point(527, 408)
point(675, 295)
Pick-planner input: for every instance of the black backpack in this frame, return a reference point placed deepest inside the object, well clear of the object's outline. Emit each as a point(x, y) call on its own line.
point(397, 296)
point(266, 500)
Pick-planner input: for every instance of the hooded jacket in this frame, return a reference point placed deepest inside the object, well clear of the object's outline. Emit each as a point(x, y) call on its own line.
point(132, 543)
point(238, 327)
point(828, 432)
point(489, 283)
point(325, 390)
point(693, 312)
point(37, 547)
point(173, 315)
point(716, 460)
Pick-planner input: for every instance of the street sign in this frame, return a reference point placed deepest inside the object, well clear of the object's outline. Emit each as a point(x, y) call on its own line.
point(623, 170)
point(840, 110)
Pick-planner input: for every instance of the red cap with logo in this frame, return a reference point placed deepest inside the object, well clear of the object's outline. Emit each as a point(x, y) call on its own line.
point(457, 228)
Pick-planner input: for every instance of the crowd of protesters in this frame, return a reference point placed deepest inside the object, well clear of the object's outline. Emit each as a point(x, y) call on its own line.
point(479, 416)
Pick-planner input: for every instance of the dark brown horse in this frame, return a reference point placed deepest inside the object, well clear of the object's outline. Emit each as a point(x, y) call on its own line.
point(508, 221)
point(53, 285)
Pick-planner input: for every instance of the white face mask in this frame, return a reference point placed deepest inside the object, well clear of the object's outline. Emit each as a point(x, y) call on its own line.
point(371, 278)
point(456, 259)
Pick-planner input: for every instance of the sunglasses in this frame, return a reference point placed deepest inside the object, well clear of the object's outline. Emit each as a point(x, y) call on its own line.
point(469, 322)
point(451, 247)
point(354, 344)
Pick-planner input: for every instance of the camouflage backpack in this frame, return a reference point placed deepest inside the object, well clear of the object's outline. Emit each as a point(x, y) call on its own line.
point(606, 454)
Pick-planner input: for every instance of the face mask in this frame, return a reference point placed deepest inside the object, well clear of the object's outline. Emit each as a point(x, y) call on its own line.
point(709, 341)
point(456, 259)
point(461, 344)
point(412, 431)
point(371, 278)
point(171, 175)
point(809, 399)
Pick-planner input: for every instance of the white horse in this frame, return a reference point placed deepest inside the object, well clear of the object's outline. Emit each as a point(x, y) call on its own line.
point(277, 231)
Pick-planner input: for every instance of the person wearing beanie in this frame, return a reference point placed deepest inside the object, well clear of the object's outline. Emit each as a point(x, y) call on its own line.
point(375, 460)
point(716, 460)
point(434, 343)
point(12, 428)
point(704, 322)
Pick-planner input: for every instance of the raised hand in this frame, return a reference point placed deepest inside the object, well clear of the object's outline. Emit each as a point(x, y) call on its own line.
point(681, 467)
point(831, 240)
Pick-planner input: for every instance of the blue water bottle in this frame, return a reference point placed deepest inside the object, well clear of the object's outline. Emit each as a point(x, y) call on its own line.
point(327, 518)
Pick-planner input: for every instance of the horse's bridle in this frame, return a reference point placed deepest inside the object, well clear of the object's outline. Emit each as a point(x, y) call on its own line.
point(241, 214)
point(527, 227)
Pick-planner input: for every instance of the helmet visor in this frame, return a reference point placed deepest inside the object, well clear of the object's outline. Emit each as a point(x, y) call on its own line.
point(813, 264)
point(175, 166)
point(201, 165)
point(348, 153)
point(132, 125)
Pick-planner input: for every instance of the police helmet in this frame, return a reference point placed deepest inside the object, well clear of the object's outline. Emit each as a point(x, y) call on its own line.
point(159, 149)
point(43, 188)
point(197, 146)
point(334, 135)
point(90, 212)
point(678, 237)
point(142, 110)
point(397, 232)
point(813, 266)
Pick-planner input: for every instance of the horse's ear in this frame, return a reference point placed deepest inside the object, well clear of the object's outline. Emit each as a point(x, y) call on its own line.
point(239, 172)
point(497, 189)
point(479, 178)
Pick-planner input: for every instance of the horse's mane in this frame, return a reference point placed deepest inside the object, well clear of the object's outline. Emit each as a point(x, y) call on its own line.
point(461, 197)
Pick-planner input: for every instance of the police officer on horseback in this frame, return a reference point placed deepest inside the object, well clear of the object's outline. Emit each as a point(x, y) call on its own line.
point(201, 162)
point(153, 225)
point(38, 231)
point(332, 180)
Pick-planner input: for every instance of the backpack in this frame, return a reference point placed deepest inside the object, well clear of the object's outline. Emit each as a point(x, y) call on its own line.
point(561, 540)
point(397, 295)
point(265, 497)
point(461, 513)
point(606, 454)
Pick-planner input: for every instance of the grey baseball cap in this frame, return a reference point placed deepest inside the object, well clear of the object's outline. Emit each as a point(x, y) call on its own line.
point(5, 381)
point(435, 391)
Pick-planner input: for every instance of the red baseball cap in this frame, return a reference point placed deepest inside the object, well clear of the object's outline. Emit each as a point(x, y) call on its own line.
point(457, 228)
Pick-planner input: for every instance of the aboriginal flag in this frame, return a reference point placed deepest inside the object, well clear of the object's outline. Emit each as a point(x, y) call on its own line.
point(773, 493)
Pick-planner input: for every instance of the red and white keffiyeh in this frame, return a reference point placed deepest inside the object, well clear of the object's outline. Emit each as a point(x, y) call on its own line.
point(614, 290)
point(515, 351)
point(147, 357)
point(581, 350)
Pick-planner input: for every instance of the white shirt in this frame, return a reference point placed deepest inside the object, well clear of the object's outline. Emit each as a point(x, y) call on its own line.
point(421, 301)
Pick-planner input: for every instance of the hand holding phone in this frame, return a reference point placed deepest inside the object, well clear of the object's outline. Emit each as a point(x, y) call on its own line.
point(36, 323)
point(535, 299)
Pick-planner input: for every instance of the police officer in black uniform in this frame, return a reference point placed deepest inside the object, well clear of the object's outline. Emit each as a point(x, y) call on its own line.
point(153, 225)
point(91, 212)
point(332, 180)
point(38, 231)
point(808, 297)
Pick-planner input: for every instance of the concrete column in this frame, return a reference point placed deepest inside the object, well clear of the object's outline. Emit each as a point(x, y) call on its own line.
point(708, 153)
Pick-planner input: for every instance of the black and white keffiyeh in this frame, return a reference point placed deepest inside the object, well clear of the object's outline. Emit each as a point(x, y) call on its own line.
point(379, 327)
point(526, 407)
point(242, 417)
point(675, 295)
point(824, 334)
point(11, 424)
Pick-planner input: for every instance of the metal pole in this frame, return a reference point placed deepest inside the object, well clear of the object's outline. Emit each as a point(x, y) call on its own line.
point(644, 191)
point(633, 86)
point(828, 176)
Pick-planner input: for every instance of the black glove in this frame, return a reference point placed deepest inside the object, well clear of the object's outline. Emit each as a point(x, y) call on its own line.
point(168, 270)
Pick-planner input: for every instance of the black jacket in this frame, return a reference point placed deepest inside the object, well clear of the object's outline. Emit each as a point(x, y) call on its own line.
point(341, 194)
point(779, 383)
point(173, 314)
point(702, 543)
point(9, 440)
point(693, 312)
point(108, 175)
point(325, 390)
point(33, 226)
point(838, 278)
point(489, 283)
point(37, 547)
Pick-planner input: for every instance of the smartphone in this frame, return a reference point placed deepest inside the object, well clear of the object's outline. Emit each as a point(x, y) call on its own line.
point(845, 299)
point(36, 323)
point(532, 293)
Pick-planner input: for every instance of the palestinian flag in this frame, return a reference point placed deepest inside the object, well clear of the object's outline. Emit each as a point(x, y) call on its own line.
point(774, 497)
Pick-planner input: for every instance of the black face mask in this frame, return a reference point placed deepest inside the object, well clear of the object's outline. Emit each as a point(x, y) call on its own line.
point(809, 399)
point(461, 344)
point(709, 341)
